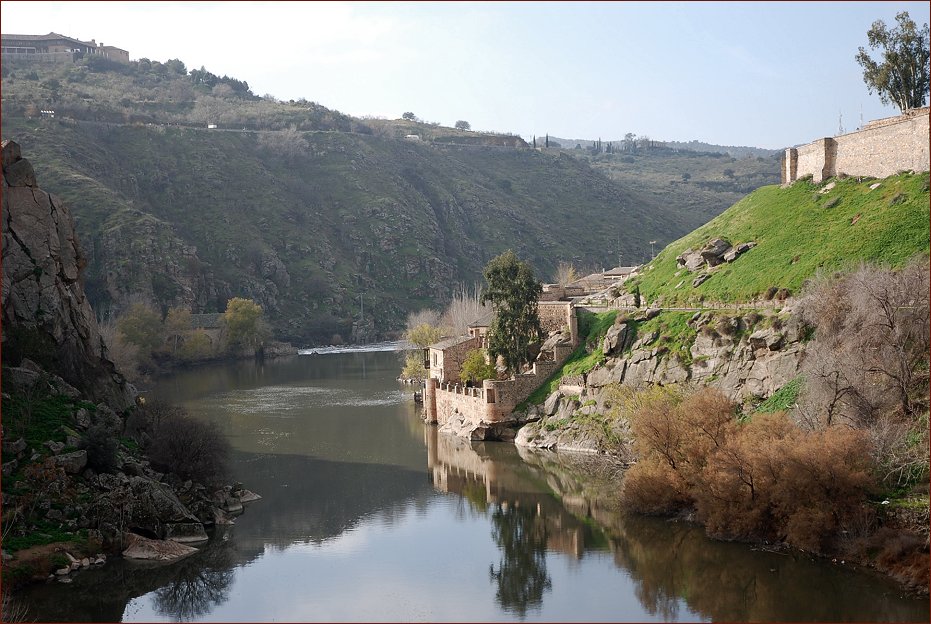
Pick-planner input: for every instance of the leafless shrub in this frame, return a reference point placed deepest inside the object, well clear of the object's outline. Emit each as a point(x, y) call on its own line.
point(565, 274)
point(288, 143)
point(13, 610)
point(190, 448)
point(870, 355)
point(422, 317)
point(123, 354)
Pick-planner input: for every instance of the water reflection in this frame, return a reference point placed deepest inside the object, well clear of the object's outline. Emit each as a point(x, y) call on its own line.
point(567, 504)
point(197, 587)
point(521, 576)
point(368, 515)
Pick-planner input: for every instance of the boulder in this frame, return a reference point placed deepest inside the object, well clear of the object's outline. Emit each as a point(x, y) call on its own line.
point(82, 418)
point(714, 250)
point(73, 462)
point(650, 313)
point(768, 338)
point(615, 340)
point(186, 532)
point(13, 448)
point(143, 549)
point(248, 496)
point(701, 279)
point(11, 152)
point(20, 173)
point(690, 259)
point(552, 402)
point(54, 447)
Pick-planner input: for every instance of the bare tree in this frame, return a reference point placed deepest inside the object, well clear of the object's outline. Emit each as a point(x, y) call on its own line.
point(465, 308)
point(565, 273)
point(422, 317)
point(872, 339)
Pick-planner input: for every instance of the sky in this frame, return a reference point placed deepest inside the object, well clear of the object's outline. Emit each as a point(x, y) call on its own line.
point(764, 74)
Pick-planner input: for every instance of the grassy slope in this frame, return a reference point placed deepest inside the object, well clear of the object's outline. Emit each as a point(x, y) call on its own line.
point(799, 231)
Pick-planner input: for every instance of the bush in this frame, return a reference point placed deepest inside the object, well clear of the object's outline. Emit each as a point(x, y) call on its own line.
point(766, 479)
point(189, 448)
point(101, 448)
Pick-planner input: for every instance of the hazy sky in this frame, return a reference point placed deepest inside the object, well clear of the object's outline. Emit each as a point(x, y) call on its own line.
point(762, 74)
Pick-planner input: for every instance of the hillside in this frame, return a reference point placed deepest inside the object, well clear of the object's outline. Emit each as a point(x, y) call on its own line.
point(306, 223)
point(798, 231)
point(316, 214)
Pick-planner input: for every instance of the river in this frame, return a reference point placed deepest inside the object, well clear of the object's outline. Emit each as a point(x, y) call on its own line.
point(369, 515)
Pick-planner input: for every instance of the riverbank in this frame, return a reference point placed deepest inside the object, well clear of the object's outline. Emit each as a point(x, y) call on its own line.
point(82, 482)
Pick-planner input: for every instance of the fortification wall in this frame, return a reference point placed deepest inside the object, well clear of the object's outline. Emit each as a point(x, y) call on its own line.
point(882, 148)
point(554, 315)
point(885, 149)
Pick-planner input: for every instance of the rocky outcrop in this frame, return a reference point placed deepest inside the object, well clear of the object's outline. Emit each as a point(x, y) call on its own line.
point(715, 252)
point(45, 313)
point(745, 358)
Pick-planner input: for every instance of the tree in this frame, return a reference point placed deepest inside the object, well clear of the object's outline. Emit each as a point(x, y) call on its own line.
point(465, 308)
point(141, 326)
point(565, 273)
point(177, 327)
point(424, 335)
point(244, 323)
point(413, 367)
point(475, 368)
point(902, 78)
point(513, 292)
point(463, 125)
point(409, 116)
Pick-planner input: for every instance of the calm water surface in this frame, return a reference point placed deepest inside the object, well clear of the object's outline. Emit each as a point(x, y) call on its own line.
point(367, 515)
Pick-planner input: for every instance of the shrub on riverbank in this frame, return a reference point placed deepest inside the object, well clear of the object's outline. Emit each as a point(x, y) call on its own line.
point(189, 448)
point(763, 479)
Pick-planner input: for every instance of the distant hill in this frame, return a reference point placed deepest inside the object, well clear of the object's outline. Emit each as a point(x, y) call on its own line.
point(316, 214)
point(734, 151)
point(193, 217)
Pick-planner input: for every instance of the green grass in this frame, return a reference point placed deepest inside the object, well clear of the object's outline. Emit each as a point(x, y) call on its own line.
point(36, 418)
point(783, 399)
point(675, 335)
point(797, 235)
point(45, 533)
point(592, 328)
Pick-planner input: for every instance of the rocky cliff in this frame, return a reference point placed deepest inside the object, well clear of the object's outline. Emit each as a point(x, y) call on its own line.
point(46, 316)
point(748, 357)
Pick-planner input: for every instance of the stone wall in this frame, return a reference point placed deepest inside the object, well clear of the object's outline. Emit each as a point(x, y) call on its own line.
point(446, 363)
point(555, 315)
point(494, 402)
point(882, 148)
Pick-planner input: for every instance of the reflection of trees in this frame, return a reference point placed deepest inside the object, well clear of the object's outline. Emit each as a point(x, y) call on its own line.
point(521, 575)
point(199, 584)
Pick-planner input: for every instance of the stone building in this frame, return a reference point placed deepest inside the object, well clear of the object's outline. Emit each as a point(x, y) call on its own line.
point(56, 48)
point(881, 148)
point(446, 399)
